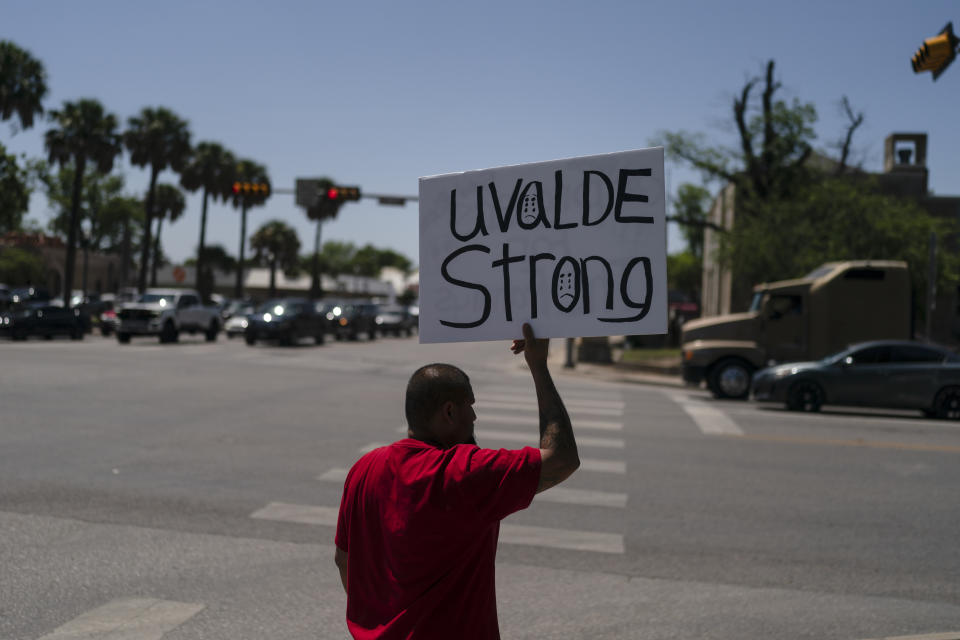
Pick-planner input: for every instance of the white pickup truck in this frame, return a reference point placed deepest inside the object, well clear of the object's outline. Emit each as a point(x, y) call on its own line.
point(165, 313)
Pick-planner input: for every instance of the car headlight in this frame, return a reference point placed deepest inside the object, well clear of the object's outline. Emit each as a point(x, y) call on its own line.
point(244, 323)
point(783, 373)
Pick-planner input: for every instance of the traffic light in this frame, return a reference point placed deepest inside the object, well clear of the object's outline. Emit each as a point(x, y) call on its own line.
point(251, 188)
point(338, 194)
point(937, 52)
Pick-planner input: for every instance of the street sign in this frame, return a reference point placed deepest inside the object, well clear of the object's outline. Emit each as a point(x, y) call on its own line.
point(390, 200)
point(307, 192)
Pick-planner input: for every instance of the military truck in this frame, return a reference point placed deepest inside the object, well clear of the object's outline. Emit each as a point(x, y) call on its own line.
point(808, 318)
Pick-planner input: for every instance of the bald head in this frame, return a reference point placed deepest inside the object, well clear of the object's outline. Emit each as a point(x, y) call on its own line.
point(429, 388)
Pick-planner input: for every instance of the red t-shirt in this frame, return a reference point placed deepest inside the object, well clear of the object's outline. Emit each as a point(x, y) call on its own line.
point(419, 525)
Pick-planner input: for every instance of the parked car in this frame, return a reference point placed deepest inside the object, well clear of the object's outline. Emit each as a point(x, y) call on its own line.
point(109, 321)
point(350, 319)
point(895, 374)
point(394, 319)
point(21, 295)
point(286, 320)
point(239, 319)
point(5, 296)
point(42, 319)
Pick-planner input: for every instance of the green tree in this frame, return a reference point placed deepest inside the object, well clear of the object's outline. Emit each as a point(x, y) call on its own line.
point(211, 168)
point(14, 192)
point(170, 205)
point(247, 171)
point(20, 267)
point(276, 244)
point(84, 133)
point(23, 84)
point(369, 261)
point(131, 215)
point(99, 223)
point(690, 212)
point(685, 273)
point(157, 138)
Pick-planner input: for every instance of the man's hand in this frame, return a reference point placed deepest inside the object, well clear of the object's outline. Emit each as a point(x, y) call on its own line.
point(533, 349)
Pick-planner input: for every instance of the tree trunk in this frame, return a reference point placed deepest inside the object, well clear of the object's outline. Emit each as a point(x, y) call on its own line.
point(81, 165)
point(201, 281)
point(125, 254)
point(238, 290)
point(86, 264)
point(273, 278)
point(316, 291)
point(148, 223)
point(156, 253)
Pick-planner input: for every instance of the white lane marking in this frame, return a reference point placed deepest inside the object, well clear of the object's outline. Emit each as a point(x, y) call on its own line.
point(561, 538)
point(949, 635)
point(531, 406)
point(131, 619)
point(531, 398)
point(530, 438)
point(373, 445)
point(603, 466)
point(336, 474)
point(583, 497)
point(710, 420)
point(302, 513)
point(602, 425)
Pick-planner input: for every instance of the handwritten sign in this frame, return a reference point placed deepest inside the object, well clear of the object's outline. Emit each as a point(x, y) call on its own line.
point(577, 247)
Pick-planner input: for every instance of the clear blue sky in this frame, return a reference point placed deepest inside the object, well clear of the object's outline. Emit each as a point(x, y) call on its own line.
point(378, 94)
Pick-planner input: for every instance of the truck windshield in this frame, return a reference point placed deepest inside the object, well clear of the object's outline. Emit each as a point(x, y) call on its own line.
point(820, 271)
point(757, 303)
point(156, 298)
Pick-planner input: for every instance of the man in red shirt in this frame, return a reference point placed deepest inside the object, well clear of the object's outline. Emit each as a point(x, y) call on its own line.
point(419, 519)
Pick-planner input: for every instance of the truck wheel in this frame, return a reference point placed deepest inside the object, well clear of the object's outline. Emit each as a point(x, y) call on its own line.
point(805, 395)
point(948, 403)
point(212, 331)
point(169, 333)
point(730, 378)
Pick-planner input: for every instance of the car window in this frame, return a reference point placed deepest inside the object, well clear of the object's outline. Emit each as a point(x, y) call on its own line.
point(916, 353)
point(188, 301)
point(870, 355)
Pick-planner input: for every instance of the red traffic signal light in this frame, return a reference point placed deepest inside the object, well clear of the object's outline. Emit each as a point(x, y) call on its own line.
point(333, 193)
point(937, 52)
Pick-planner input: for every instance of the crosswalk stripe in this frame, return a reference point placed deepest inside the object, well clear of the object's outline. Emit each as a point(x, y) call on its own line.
point(302, 513)
point(583, 497)
point(601, 425)
point(509, 533)
point(529, 438)
point(531, 405)
point(603, 466)
point(531, 398)
point(339, 474)
point(581, 393)
point(133, 618)
point(709, 420)
point(561, 538)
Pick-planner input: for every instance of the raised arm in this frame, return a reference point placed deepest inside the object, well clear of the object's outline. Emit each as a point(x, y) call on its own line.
point(558, 448)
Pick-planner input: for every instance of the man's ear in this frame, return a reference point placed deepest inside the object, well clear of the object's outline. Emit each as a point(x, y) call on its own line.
point(448, 410)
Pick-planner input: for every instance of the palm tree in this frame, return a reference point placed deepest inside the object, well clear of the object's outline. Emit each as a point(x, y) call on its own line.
point(250, 173)
point(84, 132)
point(23, 84)
point(324, 209)
point(169, 204)
point(277, 244)
point(160, 139)
point(212, 168)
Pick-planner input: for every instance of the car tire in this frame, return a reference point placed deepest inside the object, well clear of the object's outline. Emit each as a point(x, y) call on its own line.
point(123, 338)
point(947, 403)
point(250, 339)
point(19, 334)
point(372, 334)
point(212, 331)
point(104, 331)
point(77, 334)
point(318, 338)
point(169, 333)
point(730, 378)
point(805, 395)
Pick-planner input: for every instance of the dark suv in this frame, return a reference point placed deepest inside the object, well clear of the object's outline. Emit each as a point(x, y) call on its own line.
point(351, 319)
point(286, 320)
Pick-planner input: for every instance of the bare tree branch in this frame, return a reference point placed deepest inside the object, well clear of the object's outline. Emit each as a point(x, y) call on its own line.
point(693, 222)
point(856, 119)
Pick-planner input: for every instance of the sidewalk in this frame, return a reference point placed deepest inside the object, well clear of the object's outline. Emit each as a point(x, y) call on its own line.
point(655, 373)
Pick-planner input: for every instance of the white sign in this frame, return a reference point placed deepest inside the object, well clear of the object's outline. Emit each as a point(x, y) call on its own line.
point(576, 247)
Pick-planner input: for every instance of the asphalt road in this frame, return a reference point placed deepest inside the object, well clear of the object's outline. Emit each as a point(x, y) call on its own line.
point(186, 491)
